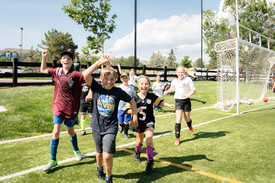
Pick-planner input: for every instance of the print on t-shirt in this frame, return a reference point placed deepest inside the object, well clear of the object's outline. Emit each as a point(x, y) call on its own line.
point(105, 105)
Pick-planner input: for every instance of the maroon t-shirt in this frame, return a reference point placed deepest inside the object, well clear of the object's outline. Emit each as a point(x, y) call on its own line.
point(67, 92)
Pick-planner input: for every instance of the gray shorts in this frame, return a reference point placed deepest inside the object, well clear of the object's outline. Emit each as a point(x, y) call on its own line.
point(106, 143)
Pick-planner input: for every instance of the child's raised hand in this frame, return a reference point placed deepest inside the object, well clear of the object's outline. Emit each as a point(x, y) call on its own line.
point(44, 53)
point(104, 59)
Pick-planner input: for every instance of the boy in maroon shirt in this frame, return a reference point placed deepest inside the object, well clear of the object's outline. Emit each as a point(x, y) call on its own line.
point(66, 101)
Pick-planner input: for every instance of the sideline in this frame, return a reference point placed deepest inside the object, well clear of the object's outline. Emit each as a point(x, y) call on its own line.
point(123, 145)
point(208, 174)
point(50, 134)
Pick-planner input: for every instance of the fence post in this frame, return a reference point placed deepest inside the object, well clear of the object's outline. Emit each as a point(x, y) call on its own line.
point(14, 72)
point(165, 73)
point(206, 74)
point(144, 70)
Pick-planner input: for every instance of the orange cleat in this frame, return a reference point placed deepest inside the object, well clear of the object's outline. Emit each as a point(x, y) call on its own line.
point(177, 142)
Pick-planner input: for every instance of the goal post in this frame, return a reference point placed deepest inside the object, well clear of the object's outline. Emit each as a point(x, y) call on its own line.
point(243, 72)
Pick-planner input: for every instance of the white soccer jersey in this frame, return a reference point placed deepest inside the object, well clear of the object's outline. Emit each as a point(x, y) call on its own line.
point(184, 86)
point(157, 85)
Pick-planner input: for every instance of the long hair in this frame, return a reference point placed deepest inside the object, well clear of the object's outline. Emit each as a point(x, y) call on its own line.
point(186, 71)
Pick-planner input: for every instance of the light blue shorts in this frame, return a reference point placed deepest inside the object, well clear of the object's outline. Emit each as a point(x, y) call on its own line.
point(68, 123)
point(123, 117)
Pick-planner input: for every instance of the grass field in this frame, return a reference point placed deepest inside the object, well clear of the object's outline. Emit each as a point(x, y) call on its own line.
point(224, 147)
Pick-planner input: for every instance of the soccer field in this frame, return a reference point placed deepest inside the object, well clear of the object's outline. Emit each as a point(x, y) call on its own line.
point(224, 147)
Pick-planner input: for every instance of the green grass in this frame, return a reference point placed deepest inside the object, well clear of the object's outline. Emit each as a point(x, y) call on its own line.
point(239, 147)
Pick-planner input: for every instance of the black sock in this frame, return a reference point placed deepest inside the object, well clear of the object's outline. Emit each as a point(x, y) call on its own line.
point(122, 125)
point(189, 124)
point(126, 128)
point(177, 130)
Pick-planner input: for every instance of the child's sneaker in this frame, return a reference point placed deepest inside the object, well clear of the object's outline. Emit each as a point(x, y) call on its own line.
point(126, 137)
point(137, 158)
point(177, 141)
point(78, 156)
point(100, 173)
point(109, 179)
point(52, 163)
point(149, 167)
point(83, 133)
point(190, 129)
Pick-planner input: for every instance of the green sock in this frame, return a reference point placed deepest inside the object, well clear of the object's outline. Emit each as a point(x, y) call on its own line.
point(83, 124)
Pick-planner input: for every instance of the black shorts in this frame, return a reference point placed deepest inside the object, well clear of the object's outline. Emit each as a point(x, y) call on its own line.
point(86, 106)
point(144, 125)
point(106, 143)
point(183, 104)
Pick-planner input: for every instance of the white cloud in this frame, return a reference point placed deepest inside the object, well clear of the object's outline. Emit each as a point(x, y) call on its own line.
point(181, 32)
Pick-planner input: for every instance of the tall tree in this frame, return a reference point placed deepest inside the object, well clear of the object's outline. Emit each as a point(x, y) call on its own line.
point(185, 62)
point(157, 60)
point(171, 60)
point(93, 15)
point(197, 64)
point(56, 42)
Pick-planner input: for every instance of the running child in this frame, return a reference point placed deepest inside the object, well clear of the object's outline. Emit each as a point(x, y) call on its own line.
point(104, 124)
point(157, 89)
point(133, 78)
point(184, 89)
point(146, 120)
point(66, 101)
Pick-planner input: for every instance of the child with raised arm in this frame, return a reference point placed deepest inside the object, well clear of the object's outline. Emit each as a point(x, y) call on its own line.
point(104, 124)
point(158, 89)
point(146, 120)
point(66, 101)
point(184, 89)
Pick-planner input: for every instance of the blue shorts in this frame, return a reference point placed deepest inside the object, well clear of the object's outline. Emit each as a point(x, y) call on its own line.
point(68, 123)
point(123, 117)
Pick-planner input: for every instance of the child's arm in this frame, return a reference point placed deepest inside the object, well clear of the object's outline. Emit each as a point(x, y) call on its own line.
point(168, 91)
point(119, 68)
point(88, 73)
point(89, 96)
point(172, 106)
point(43, 67)
point(134, 122)
point(189, 95)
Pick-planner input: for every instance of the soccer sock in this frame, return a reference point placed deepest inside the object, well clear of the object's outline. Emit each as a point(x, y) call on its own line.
point(126, 128)
point(189, 124)
point(83, 124)
point(177, 130)
point(150, 153)
point(74, 142)
point(138, 149)
point(122, 125)
point(54, 145)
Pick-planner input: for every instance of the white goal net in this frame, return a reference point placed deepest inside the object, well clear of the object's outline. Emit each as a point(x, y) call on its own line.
point(255, 63)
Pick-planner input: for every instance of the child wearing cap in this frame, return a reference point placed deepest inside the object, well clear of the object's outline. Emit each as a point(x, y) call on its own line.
point(66, 101)
point(167, 86)
point(124, 118)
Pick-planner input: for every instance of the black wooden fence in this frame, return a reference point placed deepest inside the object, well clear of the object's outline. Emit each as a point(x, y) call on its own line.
point(148, 71)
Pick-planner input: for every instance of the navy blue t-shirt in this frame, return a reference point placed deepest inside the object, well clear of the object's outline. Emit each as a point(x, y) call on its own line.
point(105, 108)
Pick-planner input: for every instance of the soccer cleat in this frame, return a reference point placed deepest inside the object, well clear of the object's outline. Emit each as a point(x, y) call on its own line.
point(137, 157)
point(126, 137)
point(109, 179)
point(83, 133)
point(177, 141)
point(120, 129)
point(100, 173)
point(78, 156)
point(190, 129)
point(149, 167)
point(52, 163)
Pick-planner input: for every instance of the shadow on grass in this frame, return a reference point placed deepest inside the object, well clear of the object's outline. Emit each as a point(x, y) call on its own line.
point(201, 135)
point(196, 100)
point(160, 172)
point(79, 163)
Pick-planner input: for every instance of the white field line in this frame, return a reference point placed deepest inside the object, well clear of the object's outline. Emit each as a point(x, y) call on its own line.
point(50, 134)
point(123, 145)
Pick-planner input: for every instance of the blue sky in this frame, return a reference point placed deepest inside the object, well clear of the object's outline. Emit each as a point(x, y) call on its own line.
point(162, 25)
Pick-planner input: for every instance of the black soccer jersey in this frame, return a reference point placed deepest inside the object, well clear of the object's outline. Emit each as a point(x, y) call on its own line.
point(147, 104)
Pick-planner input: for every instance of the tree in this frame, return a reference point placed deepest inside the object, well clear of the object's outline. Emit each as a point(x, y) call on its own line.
point(198, 64)
point(33, 55)
point(157, 60)
point(57, 42)
point(185, 62)
point(93, 15)
point(171, 60)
